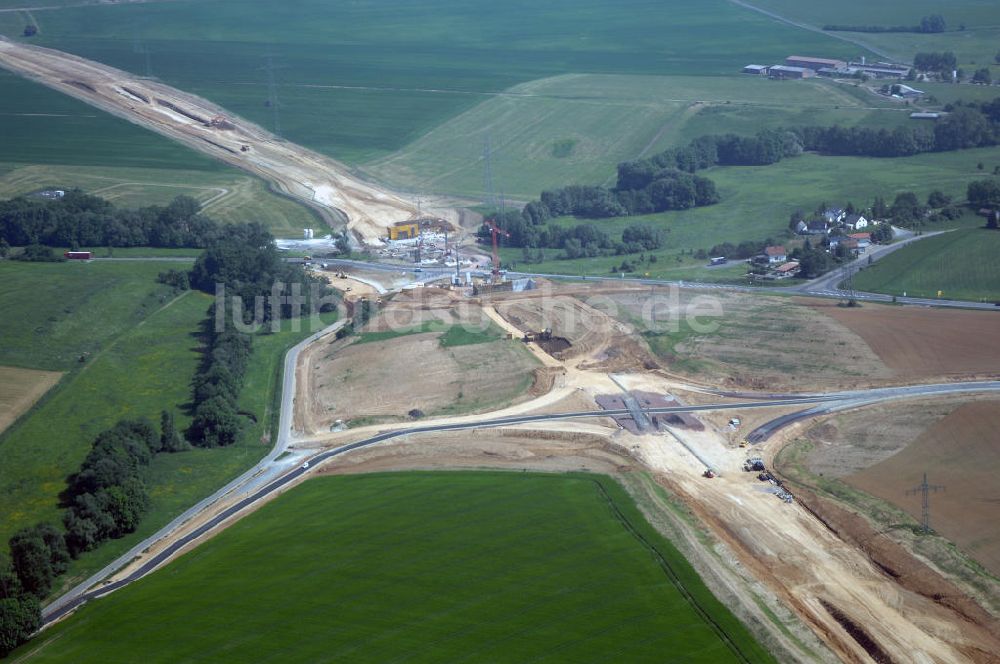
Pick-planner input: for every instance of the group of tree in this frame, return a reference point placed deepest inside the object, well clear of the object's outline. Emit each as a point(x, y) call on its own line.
point(259, 286)
point(943, 63)
point(217, 385)
point(984, 194)
point(964, 127)
point(246, 262)
point(928, 25)
point(768, 146)
point(741, 251)
point(105, 499)
point(585, 240)
point(814, 261)
point(81, 220)
point(645, 189)
point(967, 125)
point(361, 313)
point(38, 253)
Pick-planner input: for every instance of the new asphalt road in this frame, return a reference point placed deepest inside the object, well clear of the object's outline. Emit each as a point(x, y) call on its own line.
point(821, 404)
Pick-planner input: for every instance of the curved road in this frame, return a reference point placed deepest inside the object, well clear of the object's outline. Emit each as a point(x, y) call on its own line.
point(827, 403)
point(261, 472)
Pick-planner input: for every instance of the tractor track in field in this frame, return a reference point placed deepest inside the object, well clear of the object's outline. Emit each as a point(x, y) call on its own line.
point(811, 28)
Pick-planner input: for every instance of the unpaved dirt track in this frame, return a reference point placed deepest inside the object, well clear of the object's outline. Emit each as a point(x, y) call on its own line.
point(318, 181)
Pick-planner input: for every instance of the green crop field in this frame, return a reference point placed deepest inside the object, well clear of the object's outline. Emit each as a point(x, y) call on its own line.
point(145, 370)
point(976, 44)
point(54, 141)
point(422, 566)
point(758, 200)
point(142, 350)
point(597, 121)
point(361, 80)
point(961, 264)
point(55, 312)
point(42, 126)
point(226, 196)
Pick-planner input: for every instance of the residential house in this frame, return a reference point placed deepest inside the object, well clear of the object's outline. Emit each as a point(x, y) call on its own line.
point(775, 254)
point(855, 222)
point(789, 269)
point(817, 227)
point(850, 245)
point(834, 215)
point(864, 239)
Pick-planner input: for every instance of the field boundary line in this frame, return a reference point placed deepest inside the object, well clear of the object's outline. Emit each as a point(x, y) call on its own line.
point(811, 28)
point(671, 573)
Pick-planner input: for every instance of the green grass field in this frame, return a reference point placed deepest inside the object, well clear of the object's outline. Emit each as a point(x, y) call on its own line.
point(757, 202)
point(361, 80)
point(227, 196)
point(42, 126)
point(54, 141)
point(419, 566)
point(975, 45)
point(142, 350)
point(145, 370)
point(55, 312)
point(597, 121)
point(962, 264)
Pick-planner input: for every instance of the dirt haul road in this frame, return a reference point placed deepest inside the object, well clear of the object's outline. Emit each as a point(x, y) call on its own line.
point(318, 181)
point(848, 599)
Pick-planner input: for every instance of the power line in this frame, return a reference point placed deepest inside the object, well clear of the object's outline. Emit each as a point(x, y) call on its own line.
point(491, 200)
point(924, 489)
point(272, 94)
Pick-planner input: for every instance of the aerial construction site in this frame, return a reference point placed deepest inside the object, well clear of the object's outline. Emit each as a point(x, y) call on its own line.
point(563, 378)
point(774, 436)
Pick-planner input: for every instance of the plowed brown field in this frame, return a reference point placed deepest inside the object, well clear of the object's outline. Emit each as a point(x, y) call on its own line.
point(961, 452)
point(918, 342)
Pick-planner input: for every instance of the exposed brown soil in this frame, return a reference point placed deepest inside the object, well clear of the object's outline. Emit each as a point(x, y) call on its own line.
point(918, 342)
point(912, 574)
point(748, 341)
point(961, 452)
point(581, 332)
point(850, 442)
point(20, 389)
point(388, 379)
point(318, 181)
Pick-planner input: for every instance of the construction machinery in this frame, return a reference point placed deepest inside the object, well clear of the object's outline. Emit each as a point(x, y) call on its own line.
point(495, 231)
point(544, 335)
point(221, 122)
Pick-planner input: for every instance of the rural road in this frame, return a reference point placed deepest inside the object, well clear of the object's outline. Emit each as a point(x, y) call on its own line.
point(261, 472)
point(819, 404)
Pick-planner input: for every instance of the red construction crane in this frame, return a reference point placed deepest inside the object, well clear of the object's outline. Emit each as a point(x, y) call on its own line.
point(495, 231)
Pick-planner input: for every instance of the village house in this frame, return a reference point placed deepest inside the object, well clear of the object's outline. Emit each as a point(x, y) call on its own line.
point(834, 215)
point(774, 254)
point(812, 227)
point(789, 269)
point(864, 239)
point(855, 222)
